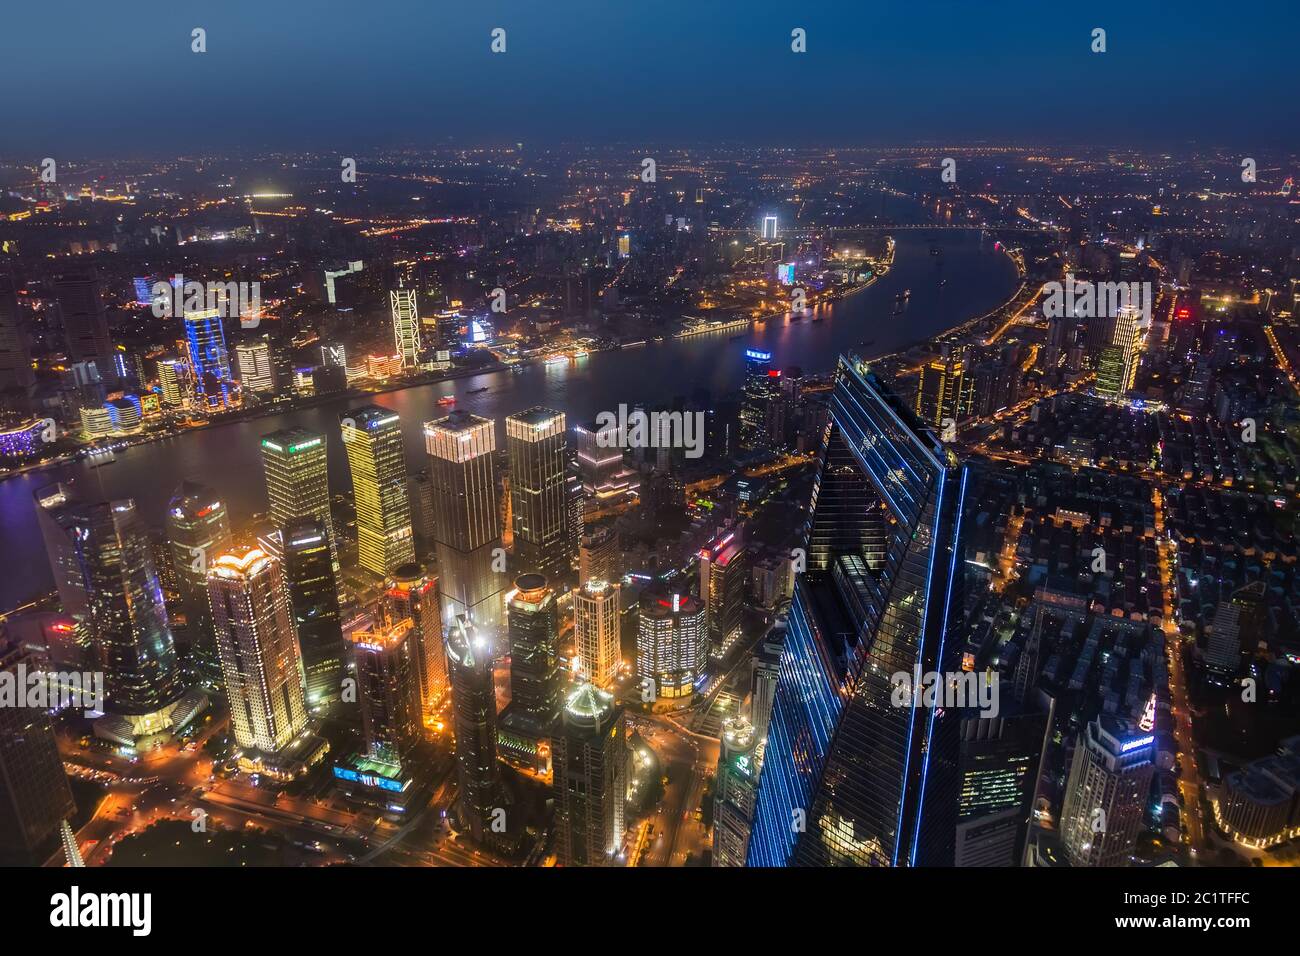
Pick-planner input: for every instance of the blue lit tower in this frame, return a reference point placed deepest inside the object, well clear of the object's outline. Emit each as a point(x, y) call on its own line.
point(848, 778)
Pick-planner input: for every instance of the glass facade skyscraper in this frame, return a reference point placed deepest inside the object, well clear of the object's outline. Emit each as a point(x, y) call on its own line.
point(535, 442)
point(848, 778)
point(373, 439)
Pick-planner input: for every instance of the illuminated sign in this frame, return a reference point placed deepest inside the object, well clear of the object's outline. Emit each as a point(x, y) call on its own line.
point(758, 354)
point(1137, 742)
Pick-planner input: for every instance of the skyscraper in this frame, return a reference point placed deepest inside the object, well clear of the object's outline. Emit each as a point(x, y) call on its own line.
point(406, 326)
point(209, 360)
point(1118, 363)
point(103, 560)
point(1106, 793)
point(173, 378)
point(259, 651)
point(473, 699)
point(999, 768)
point(760, 390)
point(596, 631)
point(388, 689)
point(373, 439)
point(467, 523)
point(17, 377)
point(535, 443)
point(34, 795)
point(297, 478)
point(599, 556)
point(672, 650)
point(943, 394)
point(604, 475)
point(85, 320)
point(736, 785)
point(1244, 615)
point(314, 605)
point(724, 575)
point(590, 754)
point(198, 529)
point(848, 777)
point(413, 593)
point(256, 373)
point(534, 631)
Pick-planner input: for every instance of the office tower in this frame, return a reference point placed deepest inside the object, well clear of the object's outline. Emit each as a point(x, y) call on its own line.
point(596, 631)
point(388, 689)
point(735, 786)
point(173, 378)
point(870, 783)
point(474, 709)
point(672, 643)
point(943, 394)
point(599, 556)
point(760, 390)
point(1118, 362)
point(297, 478)
point(198, 529)
point(535, 442)
point(574, 505)
point(467, 523)
point(724, 573)
point(600, 463)
point(999, 769)
point(85, 320)
point(419, 491)
point(372, 437)
point(590, 756)
point(16, 374)
point(34, 795)
point(1244, 615)
point(414, 594)
point(767, 669)
point(103, 562)
point(406, 327)
point(303, 547)
point(534, 629)
point(256, 374)
point(1106, 793)
point(769, 227)
point(259, 651)
point(209, 361)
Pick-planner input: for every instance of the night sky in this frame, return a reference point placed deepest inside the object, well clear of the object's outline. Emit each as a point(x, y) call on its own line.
point(100, 78)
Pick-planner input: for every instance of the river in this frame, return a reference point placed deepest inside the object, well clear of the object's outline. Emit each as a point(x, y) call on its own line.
point(227, 458)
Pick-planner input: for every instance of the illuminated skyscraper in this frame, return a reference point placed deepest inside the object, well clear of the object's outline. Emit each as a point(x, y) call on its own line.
point(599, 556)
point(34, 795)
point(414, 594)
point(672, 643)
point(944, 391)
point(534, 631)
point(373, 439)
point(173, 378)
point(760, 391)
point(388, 689)
point(256, 373)
point(596, 631)
point(1118, 363)
point(473, 700)
point(535, 442)
point(735, 787)
point(259, 650)
point(103, 559)
point(600, 463)
point(297, 478)
point(467, 522)
point(198, 529)
point(209, 361)
point(314, 604)
point(590, 758)
point(872, 783)
point(769, 227)
point(1106, 793)
point(406, 326)
point(724, 574)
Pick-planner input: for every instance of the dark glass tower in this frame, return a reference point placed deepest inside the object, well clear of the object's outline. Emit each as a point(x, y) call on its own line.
point(534, 650)
point(314, 602)
point(198, 529)
point(103, 557)
point(848, 778)
point(538, 493)
point(759, 392)
point(473, 700)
